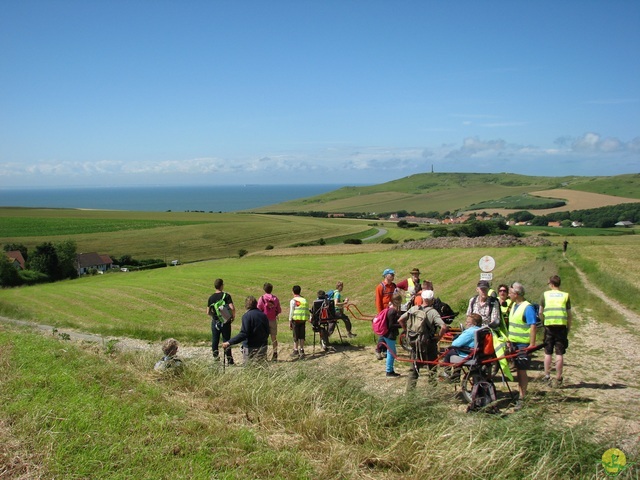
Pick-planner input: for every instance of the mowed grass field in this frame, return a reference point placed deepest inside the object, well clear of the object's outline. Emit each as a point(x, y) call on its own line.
point(186, 236)
point(167, 302)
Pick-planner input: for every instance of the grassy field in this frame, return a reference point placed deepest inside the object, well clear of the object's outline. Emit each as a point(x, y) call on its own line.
point(442, 192)
point(85, 411)
point(186, 236)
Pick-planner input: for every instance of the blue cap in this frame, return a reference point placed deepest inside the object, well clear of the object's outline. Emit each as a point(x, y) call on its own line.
point(388, 271)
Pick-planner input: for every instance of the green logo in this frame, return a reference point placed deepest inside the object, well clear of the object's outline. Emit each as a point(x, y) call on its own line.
point(614, 462)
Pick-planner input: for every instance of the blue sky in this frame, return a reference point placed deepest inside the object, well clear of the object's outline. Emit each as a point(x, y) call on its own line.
point(333, 91)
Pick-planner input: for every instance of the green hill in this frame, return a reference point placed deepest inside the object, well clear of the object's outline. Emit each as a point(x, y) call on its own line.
point(428, 192)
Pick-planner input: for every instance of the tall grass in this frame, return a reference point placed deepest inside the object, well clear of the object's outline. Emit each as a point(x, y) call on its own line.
point(82, 414)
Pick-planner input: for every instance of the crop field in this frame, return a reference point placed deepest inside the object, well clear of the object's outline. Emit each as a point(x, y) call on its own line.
point(577, 200)
point(184, 236)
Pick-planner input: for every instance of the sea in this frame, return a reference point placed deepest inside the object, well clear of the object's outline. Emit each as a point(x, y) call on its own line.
point(160, 198)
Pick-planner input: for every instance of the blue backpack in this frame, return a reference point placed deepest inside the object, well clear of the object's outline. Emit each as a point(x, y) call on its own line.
point(330, 294)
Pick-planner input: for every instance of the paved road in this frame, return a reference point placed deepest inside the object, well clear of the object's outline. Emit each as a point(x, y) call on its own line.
point(381, 232)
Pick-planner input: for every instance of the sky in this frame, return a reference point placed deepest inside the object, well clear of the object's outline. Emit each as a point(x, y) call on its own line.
point(103, 93)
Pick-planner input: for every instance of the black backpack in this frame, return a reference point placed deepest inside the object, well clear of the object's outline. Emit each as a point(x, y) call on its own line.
point(483, 396)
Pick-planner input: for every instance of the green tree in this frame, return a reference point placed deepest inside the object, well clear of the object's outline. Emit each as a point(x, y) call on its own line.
point(9, 276)
point(45, 260)
point(67, 252)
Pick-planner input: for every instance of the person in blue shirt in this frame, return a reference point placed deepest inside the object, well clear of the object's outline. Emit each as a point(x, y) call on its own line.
point(463, 343)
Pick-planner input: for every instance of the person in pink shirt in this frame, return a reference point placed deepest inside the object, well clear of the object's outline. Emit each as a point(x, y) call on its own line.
point(270, 306)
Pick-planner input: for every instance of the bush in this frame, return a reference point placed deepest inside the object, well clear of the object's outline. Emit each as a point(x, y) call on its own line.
point(269, 247)
point(242, 252)
point(388, 240)
point(353, 241)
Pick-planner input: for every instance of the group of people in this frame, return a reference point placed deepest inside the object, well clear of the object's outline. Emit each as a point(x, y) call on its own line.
point(261, 321)
point(512, 319)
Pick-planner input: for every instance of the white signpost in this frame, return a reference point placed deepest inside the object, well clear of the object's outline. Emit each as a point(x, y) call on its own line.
point(487, 264)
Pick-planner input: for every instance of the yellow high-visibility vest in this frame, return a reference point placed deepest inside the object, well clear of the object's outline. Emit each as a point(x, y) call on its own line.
point(519, 329)
point(301, 310)
point(555, 308)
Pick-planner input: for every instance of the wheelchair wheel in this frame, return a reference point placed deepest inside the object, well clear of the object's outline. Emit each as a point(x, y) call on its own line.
point(467, 381)
point(470, 376)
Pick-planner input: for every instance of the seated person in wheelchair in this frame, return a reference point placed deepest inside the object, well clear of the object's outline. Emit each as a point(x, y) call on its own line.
point(323, 317)
point(463, 343)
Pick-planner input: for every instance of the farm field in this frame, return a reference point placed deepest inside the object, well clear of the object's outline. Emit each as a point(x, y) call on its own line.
point(186, 236)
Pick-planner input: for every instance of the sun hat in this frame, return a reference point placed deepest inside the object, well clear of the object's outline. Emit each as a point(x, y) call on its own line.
point(427, 294)
point(388, 271)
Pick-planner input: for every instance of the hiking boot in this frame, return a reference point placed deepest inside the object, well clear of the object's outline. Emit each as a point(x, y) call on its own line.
point(352, 335)
point(379, 356)
point(519, 405)
point(295, 352)
point(274, 357)
point(546, 379)
point(556, 383)
point(230, 361)
point(393, 374)
point(302, 353)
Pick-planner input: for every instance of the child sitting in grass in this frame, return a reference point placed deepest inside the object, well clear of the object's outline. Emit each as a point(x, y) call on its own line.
point(169, 361)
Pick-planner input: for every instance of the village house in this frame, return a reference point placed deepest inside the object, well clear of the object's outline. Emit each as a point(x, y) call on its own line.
point(624, 223)
point(553, 224)
point(16, 259)
point(85, 262)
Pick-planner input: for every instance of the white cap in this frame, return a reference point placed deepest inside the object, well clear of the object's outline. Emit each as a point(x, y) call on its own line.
point(427, 294)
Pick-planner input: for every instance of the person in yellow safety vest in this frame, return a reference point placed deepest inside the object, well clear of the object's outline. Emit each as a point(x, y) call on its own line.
point(555, 312)
point(299, 315)
point(505, 304)
point(522, 334)
point(411, 286)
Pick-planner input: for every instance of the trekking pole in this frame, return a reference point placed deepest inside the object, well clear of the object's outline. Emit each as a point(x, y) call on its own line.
point(224, 360)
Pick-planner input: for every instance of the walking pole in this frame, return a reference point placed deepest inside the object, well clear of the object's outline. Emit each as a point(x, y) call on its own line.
point(224, 360)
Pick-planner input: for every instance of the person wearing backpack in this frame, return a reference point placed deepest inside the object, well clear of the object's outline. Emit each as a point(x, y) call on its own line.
point(485, 305)
point(411, 286)
point(421, 324)
point(220, 326)
point(392, 332)
point(340, 301)
point(269, 304)
point(384, 292)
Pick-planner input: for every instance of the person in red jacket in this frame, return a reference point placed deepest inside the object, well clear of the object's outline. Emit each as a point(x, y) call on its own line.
point(384, 294)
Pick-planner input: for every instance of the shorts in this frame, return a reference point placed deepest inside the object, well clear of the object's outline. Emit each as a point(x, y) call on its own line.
point(555, 338)
point(523, 359)
point(273, 327)
point(299, 331)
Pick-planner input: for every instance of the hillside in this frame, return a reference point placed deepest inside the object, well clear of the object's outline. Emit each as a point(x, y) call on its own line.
point(429, 192)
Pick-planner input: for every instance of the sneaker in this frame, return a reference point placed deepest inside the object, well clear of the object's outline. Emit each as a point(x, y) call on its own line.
point(379, 356)
point(393, 374)
point(556, 383)
point(301, 353)
point(519, 405)
point(352, 335)
point(546, 379)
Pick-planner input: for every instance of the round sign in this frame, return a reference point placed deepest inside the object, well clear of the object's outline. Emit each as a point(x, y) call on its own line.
point(487, 263)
